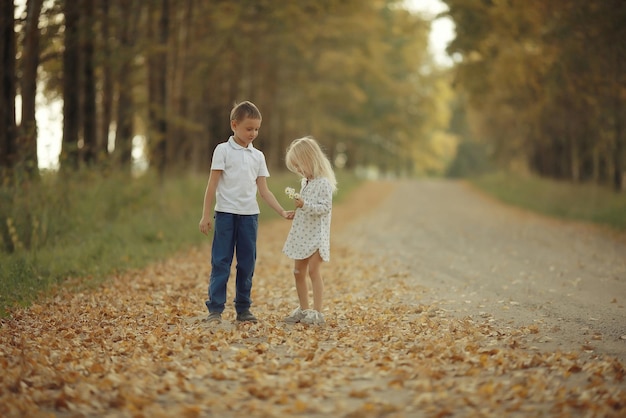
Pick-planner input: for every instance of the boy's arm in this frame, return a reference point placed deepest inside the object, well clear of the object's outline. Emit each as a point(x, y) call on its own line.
point(209, 195)
point(270, 199)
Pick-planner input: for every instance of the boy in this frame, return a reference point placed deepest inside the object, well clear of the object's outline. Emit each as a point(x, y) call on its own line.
point(238, 170)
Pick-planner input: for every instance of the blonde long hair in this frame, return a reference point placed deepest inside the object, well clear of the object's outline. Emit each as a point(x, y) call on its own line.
point(305, 154)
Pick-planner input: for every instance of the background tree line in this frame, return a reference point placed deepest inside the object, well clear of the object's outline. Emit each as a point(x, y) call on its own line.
point(539, 85)
point(355, 74)
point(544, 84)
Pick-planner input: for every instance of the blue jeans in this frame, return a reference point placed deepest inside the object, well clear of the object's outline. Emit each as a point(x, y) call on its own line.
point(233, 234)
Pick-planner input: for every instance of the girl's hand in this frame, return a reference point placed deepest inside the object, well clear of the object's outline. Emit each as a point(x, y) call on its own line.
point(289, 214)
point(299, 202)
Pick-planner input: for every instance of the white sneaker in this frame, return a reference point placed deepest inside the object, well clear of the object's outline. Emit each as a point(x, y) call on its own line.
point(312, 317)
point(295, 316)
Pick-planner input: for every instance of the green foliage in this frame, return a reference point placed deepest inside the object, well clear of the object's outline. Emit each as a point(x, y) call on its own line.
point(587, 202)
point(344, 71)
point(87, 227)
point(536, 90)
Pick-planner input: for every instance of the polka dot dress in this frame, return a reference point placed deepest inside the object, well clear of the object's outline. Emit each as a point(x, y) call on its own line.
point(310, 230)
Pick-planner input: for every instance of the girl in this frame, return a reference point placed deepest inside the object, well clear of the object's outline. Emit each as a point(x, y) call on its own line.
point(308, 242)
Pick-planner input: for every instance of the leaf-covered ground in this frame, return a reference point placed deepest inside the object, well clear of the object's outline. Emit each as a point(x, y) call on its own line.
point(138, 346)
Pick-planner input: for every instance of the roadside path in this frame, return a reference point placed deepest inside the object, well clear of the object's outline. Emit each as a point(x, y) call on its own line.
point(439, 304)
point(483, 259)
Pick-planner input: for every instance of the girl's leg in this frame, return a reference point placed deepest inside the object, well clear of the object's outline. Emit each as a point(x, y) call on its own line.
point(299, 273)
point(315, 262)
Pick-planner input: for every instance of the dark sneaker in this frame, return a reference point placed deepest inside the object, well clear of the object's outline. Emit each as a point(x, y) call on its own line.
point(214, 317)
point(246, 316)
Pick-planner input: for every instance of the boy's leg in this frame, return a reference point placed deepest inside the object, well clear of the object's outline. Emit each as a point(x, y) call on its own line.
point(221, 259)
point(246, 259)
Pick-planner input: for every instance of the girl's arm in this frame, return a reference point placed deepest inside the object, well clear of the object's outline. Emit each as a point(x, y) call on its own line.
point(323, 202)
point(270, 199)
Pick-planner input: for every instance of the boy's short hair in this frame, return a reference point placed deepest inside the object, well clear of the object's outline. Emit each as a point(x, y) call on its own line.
point(244, 110)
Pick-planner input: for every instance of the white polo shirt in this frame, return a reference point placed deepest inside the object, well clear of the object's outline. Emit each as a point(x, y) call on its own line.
point(236, 190)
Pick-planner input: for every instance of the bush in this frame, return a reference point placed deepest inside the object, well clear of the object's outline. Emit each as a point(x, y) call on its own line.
point(88, 225)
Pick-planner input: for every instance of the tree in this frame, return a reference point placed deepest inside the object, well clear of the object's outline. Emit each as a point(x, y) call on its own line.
point(158, 103)
point(8, 146)
point(90, 140)
point(343, 71)
point(106, 65)
point(28, 88)
point(71, 88)
point(545, 83)
point(128, 31)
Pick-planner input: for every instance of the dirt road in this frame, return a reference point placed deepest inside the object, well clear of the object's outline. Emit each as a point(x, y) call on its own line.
point(478, 258)
point(439, 303)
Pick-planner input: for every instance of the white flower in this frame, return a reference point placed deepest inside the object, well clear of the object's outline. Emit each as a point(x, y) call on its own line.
point(291, 192)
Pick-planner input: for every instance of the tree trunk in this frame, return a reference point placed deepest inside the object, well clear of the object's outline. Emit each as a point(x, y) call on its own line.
point(7, 87)
point(89, 85)
point(618, 156)
point(71, 90)
point(125, 103)
point(107, 83)
point(158, 105)
point(179, 152)
point(124, 125)
point(30, 63)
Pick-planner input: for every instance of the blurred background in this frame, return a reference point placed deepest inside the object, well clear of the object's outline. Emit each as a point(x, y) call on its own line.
point(152, 83)
point(528, 86)
point(106, 106)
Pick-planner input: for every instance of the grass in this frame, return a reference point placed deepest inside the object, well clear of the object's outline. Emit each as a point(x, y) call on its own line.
point(581, 202)
point(83, 229)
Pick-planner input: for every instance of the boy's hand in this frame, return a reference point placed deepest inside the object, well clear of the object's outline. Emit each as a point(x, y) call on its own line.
point(289, 214)
point(205, 225)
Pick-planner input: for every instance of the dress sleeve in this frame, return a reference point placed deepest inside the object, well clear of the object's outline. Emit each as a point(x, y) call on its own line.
point(322, 201)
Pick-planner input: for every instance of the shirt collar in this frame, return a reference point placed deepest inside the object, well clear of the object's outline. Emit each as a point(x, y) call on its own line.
point(235, 145)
